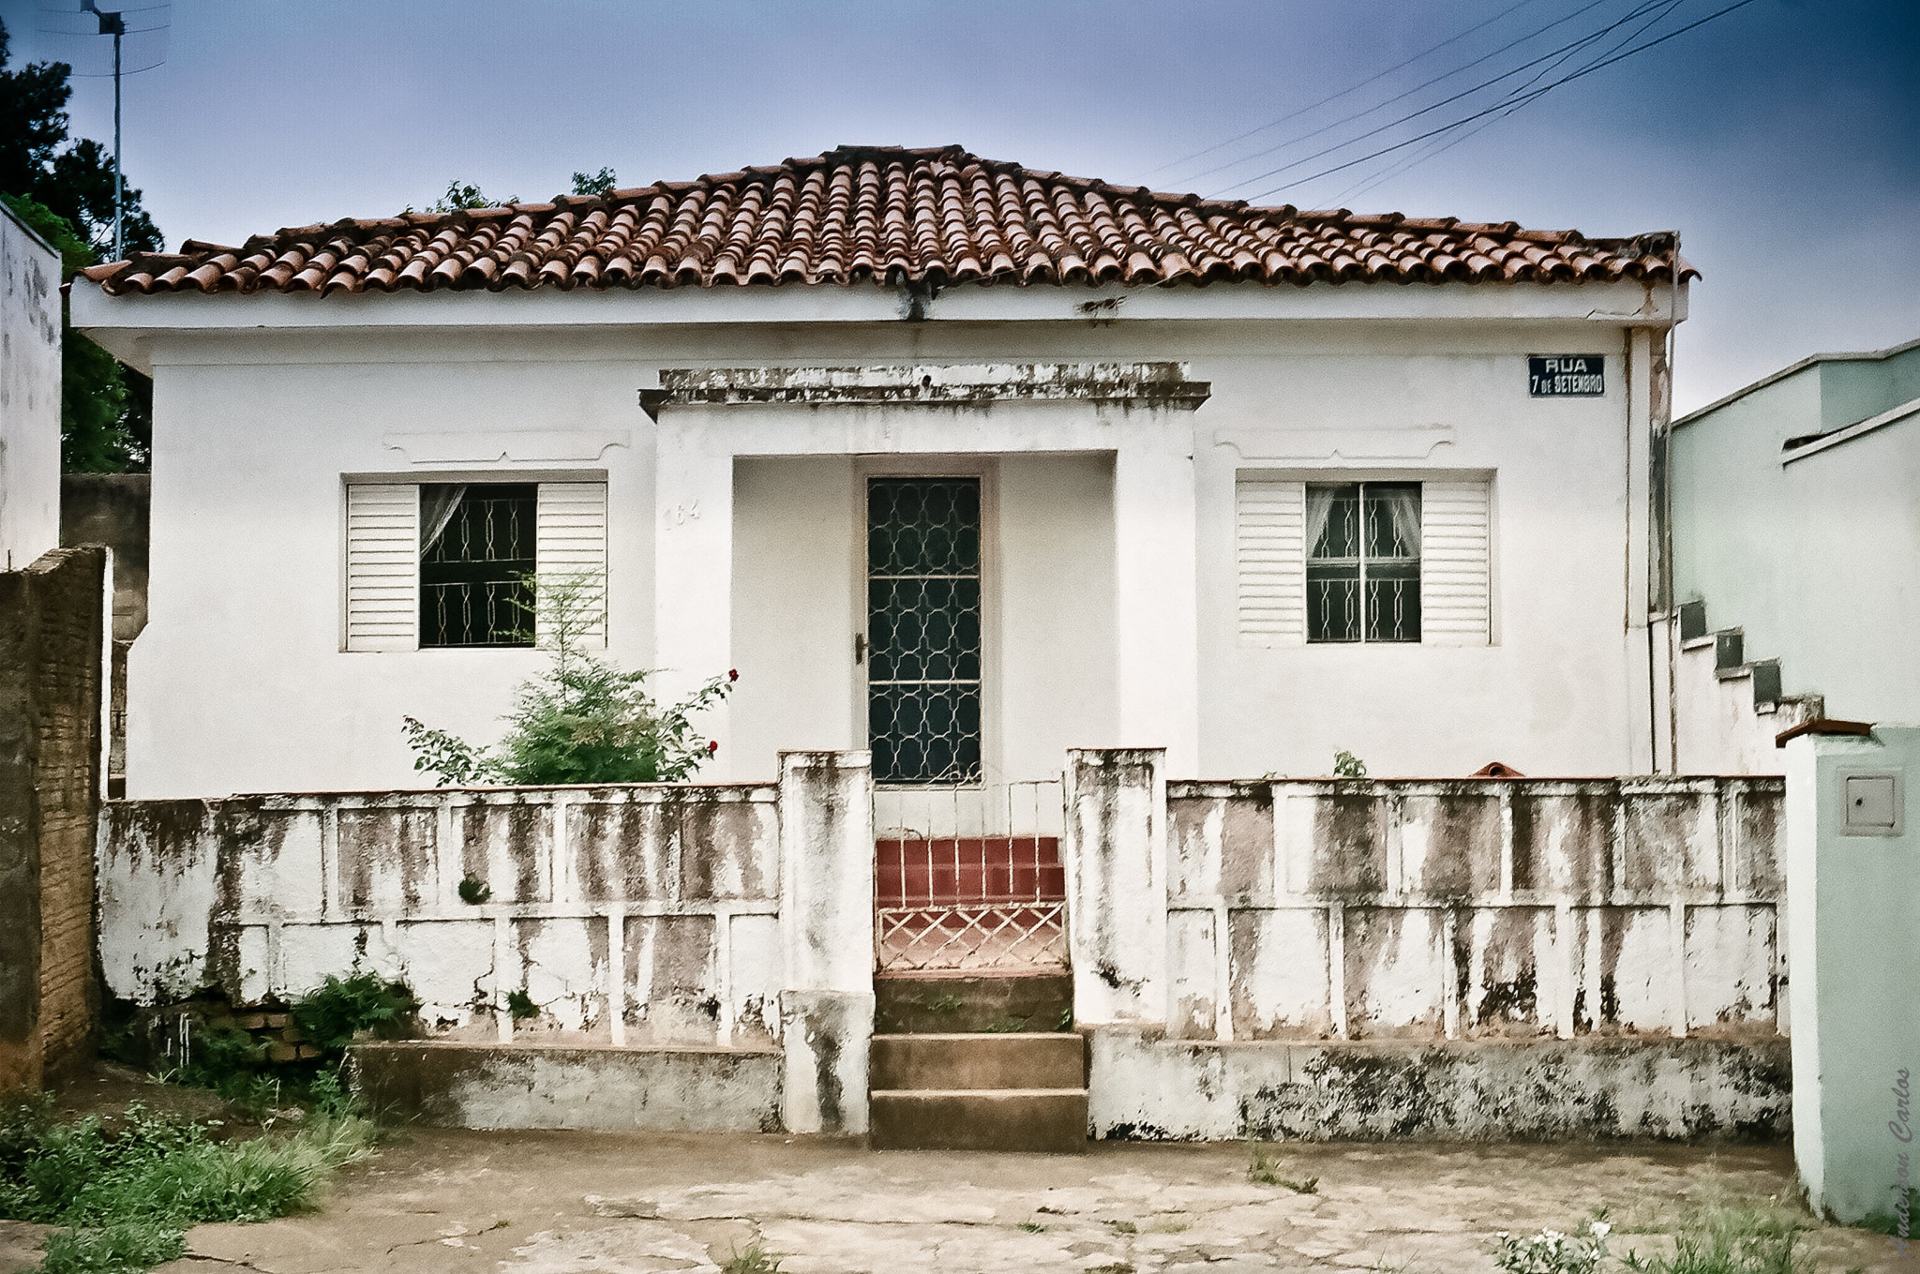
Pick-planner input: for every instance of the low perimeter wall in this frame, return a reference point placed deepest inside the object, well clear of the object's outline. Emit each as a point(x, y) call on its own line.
point(705, 922)
point(1270, 959)
point(1472, 958)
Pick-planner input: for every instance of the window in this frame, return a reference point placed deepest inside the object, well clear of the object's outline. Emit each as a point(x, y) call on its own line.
point(477, 554)
point(443, 564)
point(1363, 562)
point(1385, 561)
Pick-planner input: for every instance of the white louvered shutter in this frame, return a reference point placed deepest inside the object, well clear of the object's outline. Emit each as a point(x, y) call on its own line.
point(1456, 594)
point(1270, 552)
point(573, 540)
point(383, 566)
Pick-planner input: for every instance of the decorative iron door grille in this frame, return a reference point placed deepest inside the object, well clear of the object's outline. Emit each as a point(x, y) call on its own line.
point(969, 878)
point(923, 629)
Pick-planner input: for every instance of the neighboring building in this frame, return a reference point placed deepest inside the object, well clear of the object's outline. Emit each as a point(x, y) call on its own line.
point(29, 394)
point(960, 460)
point(1796, 548)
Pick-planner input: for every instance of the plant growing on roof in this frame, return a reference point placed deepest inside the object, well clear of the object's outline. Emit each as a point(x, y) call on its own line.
point(581, 719)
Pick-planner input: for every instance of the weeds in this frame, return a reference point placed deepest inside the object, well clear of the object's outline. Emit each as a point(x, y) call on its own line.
point(1264, 1170)
point(1124, 1227)
point(474, 891)
point(1031, 1227)
point(1553, 1252)
point(124, 1198)
point(341, 1008)
point(1731, 1241)
point(755, 1260)
point(520, 1005)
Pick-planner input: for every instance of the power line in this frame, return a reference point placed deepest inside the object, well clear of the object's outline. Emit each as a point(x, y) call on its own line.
point(1352, 88)
point(1402, 96)
point(1589, 38)
point(1536, 93)
point(1439, 146)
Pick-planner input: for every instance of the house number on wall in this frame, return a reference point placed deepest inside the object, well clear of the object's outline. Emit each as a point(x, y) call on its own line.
point(681, 514)
point(1566, 375)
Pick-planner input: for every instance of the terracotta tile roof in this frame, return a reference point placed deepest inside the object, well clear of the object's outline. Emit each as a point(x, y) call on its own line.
point(939, 216)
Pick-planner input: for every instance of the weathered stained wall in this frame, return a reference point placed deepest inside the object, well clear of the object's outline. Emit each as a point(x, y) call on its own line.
point(52, 628)
point(1402, 941)
point(111, 509)
point(642, 914)
point(29, 394)
point(695, 930)
point(1473, 909)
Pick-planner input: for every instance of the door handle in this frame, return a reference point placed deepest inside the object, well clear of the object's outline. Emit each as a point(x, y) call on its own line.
point(859, 648)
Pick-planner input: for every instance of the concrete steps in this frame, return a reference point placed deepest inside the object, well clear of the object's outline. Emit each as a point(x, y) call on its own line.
point(977, 1062)
point(952, 1003)
point(969, 1062)
point(1033, 1119)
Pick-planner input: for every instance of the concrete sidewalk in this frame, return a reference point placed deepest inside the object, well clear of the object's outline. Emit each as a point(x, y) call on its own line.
point(570, 1203)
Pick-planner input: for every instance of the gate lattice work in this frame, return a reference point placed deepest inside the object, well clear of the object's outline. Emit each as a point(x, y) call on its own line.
point(970, 878)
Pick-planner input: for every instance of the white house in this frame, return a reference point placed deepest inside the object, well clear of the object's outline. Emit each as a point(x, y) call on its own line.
point(962, 461)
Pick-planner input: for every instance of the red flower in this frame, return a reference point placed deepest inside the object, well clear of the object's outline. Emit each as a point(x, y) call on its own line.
point(713, 745)
point(733, 674)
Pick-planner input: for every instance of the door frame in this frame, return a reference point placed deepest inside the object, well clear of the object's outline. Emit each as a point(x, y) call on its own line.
point(986, 470)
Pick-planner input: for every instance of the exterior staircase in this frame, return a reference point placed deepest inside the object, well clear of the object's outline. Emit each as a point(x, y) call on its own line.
point(1728, 725)
point(977, 1062)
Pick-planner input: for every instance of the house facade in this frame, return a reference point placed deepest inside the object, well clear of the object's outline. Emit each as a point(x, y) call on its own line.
point(961, 462)
point(1796, 538)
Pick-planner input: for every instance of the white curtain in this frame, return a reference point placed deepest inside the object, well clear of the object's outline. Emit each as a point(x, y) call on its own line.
point(438, 504)
point(1319, 509)
point(1401, 507)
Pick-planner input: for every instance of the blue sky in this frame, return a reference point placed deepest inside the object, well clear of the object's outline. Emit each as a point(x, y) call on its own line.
point(1782, 140)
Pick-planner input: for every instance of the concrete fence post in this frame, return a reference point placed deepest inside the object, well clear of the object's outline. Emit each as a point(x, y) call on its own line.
point(1853, 881)
point(1116, 860)
point(826, 934)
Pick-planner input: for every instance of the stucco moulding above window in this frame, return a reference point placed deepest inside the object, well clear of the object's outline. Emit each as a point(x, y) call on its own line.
point(1335, 444)
point(531, 446)
point(969, 385)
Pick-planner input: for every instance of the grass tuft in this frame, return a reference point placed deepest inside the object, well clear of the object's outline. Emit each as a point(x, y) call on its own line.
point(1264, 1170)
point(755, 1260)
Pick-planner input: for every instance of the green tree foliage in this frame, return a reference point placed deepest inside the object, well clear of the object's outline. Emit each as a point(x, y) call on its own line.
point(73, 177)
point(463, 195)
point(581, 719)
point(63, 188)
point(600, 183)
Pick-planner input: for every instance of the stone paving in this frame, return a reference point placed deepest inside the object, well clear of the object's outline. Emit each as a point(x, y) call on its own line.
point(577, 1203)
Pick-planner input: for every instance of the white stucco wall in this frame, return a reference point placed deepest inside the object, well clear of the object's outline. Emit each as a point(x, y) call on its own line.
point(1810, 552)
point(29, 394)
point(239, 683)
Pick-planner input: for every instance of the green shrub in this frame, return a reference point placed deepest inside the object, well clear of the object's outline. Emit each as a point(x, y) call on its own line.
point(341, 1008)
point(581, 719)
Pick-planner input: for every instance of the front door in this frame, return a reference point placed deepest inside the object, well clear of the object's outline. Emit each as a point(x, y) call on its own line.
point(924, 629)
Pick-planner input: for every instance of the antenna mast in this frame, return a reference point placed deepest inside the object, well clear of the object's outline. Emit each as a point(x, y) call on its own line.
point(115, 25)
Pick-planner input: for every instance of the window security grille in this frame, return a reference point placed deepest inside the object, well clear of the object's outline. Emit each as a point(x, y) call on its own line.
point(1363, 562)
point(477, 554)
